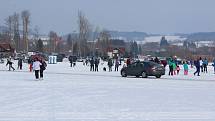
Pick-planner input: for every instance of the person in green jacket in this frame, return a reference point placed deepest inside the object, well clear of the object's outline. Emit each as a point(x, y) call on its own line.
point(185, 65)
point(170, 62)
point(174, 68)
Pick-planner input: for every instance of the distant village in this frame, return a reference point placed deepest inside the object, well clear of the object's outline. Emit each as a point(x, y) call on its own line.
point(17, 38)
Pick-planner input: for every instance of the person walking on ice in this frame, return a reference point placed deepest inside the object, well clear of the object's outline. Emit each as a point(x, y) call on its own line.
point(198, 66)
point(36, 67)
point(214, 65)
point(42, 68)
point(178, 69)
point(185, 65)
point(10, 63)
point(205, 64)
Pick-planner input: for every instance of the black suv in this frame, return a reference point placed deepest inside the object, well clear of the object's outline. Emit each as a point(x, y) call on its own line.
point(144, 69)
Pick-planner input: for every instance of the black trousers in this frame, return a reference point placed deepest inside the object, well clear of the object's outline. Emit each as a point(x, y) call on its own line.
point(20, 67)
point(110, 68)
point(96, 68)
point(197, 70)
point(205, 68)
point(37, 74)
point(10, 66)
point(116, 68)
point(171, 70)
point(202, 68)
point(41, 73)
point(91, 67)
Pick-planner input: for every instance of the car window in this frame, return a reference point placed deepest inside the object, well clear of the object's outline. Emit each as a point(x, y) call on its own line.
point(133, 65)
point(153, 64)
point(139, 64)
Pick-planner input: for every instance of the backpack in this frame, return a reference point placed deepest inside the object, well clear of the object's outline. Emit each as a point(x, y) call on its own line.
point(44, 65)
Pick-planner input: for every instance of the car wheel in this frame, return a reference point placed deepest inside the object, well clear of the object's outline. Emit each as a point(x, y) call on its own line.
point(158, 76)
point(144, 75)
point(123, 73)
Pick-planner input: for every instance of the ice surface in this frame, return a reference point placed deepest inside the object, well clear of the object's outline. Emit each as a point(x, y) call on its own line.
point(76, 94)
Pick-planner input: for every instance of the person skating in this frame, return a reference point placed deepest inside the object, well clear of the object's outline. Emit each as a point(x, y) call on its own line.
point(110, 64)
point(128, 61)
point(205, 64)
point(30, 62)
point(42, 68)
point(10, 63)
point(97, 65)
point(191, 63)
point(164, 63)
point(174, 68)
point(36, 67)
point(214, 65)
point(185, 65)
point(178, 69)
point(198, 66)
point(156, 60)
point(201, 64)
point(116, 65)
point(92, 62)
point(170, 62)
point(20, 64)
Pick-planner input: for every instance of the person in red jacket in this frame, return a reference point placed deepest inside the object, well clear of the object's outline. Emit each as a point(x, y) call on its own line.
point(128, 61)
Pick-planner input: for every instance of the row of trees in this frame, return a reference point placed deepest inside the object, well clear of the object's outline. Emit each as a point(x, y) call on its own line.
point(87, 41)
point(13, 32)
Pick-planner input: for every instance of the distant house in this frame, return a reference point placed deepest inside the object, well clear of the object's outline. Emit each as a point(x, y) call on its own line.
point(6, 50)
point(117, 44)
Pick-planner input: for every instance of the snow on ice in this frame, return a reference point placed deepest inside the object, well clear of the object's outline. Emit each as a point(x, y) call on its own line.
point(76, 94)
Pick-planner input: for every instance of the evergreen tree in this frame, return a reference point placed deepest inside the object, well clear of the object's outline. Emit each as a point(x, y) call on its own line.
point(163, 42)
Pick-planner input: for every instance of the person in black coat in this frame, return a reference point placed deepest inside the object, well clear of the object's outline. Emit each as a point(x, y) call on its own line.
point(157, 60)
point(96, 65)
point(92, 62)
point(198, 66)
point(10, 63)
point(42, 68)
point(20, 64)
point(110, 64)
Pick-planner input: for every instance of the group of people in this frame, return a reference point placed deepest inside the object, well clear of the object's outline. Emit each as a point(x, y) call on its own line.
point(201, 65)
point(114, 63)
point(37, 64)
point(174, 68)
point(94, 64)
point(10, 64)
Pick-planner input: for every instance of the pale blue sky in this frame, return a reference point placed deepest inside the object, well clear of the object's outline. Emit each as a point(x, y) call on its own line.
point(151, 16)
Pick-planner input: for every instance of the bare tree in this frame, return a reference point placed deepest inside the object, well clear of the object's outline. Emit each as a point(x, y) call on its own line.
point(9, 24)
point(16, 35)
point(104, 42)
point(84, 29)
point(36, 33)
point(25, 22)
point(95, 37)
point(70, 43)
point(52, 41)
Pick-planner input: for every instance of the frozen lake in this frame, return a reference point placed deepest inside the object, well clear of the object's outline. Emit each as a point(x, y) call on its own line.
point(76, 94)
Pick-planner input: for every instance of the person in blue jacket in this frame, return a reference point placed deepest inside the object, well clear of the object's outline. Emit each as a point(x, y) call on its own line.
point(205, 64)
point(197, 65)
point(214, 65)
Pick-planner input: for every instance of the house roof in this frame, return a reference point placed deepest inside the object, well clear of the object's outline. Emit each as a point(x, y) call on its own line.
point(6, 47)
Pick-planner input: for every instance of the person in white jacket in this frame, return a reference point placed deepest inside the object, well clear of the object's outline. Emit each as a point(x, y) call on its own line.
point(36, 67)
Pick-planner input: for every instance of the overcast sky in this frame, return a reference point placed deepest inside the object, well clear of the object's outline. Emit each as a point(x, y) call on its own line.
point(151, 16)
